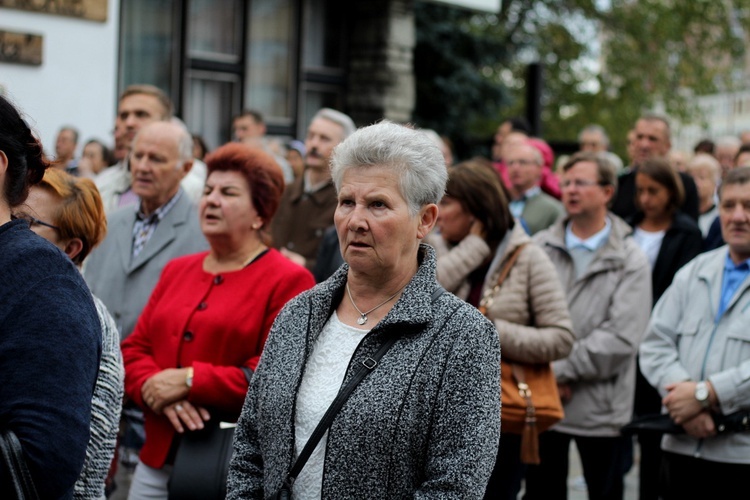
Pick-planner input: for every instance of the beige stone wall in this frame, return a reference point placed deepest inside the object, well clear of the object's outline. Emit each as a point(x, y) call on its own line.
point(381, 75)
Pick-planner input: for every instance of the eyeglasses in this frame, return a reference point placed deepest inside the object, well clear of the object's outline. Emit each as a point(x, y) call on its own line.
point(30, 221)
point(581, 183)
point(523, 163)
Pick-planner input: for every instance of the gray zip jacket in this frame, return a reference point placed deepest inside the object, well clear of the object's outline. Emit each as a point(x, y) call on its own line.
point(684, 342)
point(425, 423)
point(610, 305)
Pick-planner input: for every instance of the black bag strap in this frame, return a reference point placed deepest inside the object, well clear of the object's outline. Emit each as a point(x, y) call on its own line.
point(366, 367)
point(15, 464)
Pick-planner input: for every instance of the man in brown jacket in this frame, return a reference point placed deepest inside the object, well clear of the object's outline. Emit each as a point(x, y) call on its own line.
point(307, 205)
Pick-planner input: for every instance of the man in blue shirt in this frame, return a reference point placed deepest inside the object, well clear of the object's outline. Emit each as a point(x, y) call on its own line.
point(697, 354)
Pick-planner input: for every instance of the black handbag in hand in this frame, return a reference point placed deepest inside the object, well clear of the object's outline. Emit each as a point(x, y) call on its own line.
point(201, 464)
point(20, 483)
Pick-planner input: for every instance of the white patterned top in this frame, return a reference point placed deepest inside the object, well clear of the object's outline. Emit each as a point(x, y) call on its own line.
point(320, 384)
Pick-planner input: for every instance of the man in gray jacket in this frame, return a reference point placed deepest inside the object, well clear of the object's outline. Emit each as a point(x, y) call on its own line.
point(697, 354)
point(608, 285)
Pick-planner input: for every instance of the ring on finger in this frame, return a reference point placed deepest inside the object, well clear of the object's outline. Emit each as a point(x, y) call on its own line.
point(178, 407)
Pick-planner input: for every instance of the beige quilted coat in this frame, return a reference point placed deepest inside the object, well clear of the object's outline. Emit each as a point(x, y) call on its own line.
point(529, 310)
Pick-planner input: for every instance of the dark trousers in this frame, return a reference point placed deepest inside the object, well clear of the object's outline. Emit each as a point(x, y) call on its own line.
point(683, 476)
point(647, 402)
point(602, 460)
point(505, 481)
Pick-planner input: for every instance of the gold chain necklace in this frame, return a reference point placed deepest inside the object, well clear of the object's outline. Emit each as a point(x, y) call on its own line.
point(363, 315)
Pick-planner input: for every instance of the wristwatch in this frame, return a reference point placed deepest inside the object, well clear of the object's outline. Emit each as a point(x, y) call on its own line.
point(189, 377)
point(701, 394)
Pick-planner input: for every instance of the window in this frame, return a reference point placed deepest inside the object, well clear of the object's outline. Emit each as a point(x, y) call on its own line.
point(269, 85)
point(146, 44)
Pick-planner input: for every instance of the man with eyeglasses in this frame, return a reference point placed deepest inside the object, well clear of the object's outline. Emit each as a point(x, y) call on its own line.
point(607, 280)
point(535, 209)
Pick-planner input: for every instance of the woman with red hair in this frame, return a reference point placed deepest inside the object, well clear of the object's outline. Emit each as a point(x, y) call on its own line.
point(201, 335)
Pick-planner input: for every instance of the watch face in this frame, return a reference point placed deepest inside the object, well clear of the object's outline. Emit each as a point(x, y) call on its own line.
point(701, 392)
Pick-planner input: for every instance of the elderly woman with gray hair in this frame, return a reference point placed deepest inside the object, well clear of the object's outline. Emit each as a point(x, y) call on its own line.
point(424, 419)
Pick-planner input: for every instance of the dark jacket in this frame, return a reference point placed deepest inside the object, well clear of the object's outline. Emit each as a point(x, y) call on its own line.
point(302, 219)
point(682, 242)
point(624, 202)
point(424, 424)
point(50, 345)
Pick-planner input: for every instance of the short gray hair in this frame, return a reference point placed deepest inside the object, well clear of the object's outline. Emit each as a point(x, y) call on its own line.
point(735, 177)
point(185, 146)
point(728, 141)
point(184, 140)
point(596, 129)
point(705, 161)
point(339, 118)
point(411, 153)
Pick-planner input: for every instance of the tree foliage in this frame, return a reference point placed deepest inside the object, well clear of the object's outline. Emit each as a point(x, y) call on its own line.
point(603, 61)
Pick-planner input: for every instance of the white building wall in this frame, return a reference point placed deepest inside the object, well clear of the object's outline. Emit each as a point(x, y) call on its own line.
point(724, 114)
point(77, 81)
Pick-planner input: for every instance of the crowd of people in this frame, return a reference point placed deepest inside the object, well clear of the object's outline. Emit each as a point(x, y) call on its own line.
point(344, 299)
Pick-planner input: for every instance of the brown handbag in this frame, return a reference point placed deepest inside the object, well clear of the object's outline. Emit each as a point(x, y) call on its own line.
point(530, 400)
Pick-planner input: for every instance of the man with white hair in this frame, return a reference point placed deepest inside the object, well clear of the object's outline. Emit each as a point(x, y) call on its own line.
point(726, 150)
point(140, 240)
point(595, 139)
point(124, 269)
point(307, 205)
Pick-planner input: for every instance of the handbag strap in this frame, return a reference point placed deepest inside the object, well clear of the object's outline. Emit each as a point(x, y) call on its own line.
point(504, 272)
point(15, 464)
point(366, 367)
point(518, 372)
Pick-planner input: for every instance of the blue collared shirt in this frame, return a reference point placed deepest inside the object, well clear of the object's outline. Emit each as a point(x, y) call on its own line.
point(734, 275)
point(583, 251)
point(593, 242)
point(516, 206)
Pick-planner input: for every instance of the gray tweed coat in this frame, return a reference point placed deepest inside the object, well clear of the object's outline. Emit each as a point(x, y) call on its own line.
point(424, 424)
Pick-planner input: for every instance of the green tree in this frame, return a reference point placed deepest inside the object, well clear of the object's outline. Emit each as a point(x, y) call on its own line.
point(603, 62)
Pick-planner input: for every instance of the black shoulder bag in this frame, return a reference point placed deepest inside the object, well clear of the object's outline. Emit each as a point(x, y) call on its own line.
point(369, 364)
point(21, 483)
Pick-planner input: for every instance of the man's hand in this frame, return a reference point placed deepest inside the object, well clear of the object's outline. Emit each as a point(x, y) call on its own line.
point(565, 392)
point(165, 388)
point(681, 401)
point(700, 426)
point(184, 414)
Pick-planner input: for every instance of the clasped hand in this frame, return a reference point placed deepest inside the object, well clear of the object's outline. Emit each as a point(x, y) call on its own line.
point(165, 388)
point(166, 393)
point(687, 411)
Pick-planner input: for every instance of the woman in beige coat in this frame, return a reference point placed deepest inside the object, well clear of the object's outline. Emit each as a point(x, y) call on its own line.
point(476, 236)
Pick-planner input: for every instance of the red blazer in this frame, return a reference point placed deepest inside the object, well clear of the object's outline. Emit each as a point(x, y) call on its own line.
point(214, 323)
